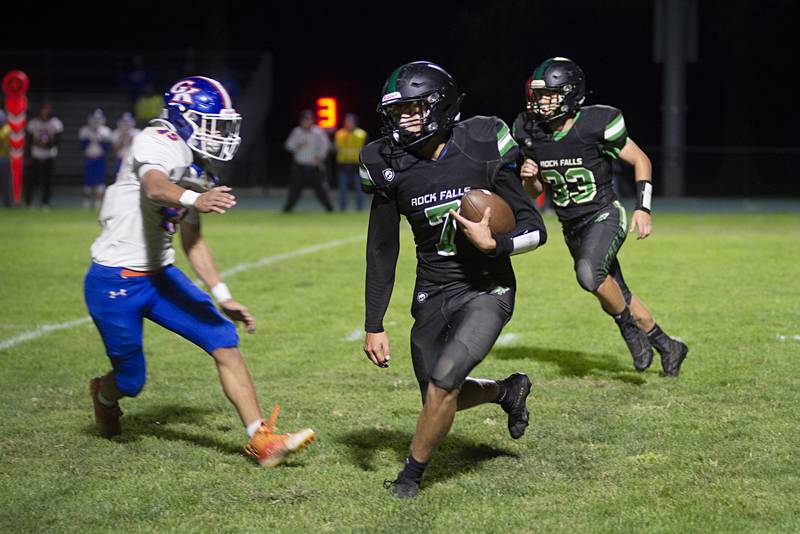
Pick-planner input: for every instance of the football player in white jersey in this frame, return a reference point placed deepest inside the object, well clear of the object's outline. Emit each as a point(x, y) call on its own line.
point(161, 188)
point(122, 137)
point(95, 140)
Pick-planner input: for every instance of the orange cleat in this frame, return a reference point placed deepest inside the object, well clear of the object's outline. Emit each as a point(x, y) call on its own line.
point(269, 449)
point(106, 418)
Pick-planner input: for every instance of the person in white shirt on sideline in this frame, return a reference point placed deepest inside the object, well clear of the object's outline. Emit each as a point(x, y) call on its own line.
point(44, 132)
point(122, 138)
point(95, 140)
point(310, 146)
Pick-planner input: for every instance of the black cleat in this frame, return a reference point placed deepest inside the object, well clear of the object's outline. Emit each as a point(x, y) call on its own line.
point(402, 488)
point(518, 387)
point(638, 344)
point(672, 356)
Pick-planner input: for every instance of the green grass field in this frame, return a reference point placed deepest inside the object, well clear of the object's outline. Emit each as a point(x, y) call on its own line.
point(608, 450)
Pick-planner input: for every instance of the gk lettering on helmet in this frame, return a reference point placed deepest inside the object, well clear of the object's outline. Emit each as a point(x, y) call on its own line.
point(183, 91)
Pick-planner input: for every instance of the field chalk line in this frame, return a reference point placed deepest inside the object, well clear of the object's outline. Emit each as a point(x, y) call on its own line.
point(47, 328)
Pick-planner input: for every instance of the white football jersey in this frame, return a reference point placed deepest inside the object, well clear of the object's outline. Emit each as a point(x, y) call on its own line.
point(122, 139)
point(137, 232)
point(95, 138)
point(42, 132)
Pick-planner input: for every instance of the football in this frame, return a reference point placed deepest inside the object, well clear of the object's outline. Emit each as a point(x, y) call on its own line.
point(475, 202)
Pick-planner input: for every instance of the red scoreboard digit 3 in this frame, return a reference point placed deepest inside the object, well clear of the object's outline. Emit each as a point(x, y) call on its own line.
point(327, 113)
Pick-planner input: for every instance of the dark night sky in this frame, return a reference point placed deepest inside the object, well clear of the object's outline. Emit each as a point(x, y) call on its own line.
point(491, 47)
point(348, 49)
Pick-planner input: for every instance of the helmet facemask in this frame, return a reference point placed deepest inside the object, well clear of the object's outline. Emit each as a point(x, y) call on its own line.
point(214, 135)
point(411, 122)
point(546, 104)
point(555, 91)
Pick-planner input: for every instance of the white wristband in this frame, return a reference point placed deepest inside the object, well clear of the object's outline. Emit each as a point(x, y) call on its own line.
point(221, 292)
point(188, 198)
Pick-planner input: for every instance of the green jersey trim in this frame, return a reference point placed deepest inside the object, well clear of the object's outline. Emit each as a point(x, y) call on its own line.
point(505, 141)
point(557, 136)
point(623, 217)
point(363, 174)
point(619, 238)
point(615, 129)
point(613, 151)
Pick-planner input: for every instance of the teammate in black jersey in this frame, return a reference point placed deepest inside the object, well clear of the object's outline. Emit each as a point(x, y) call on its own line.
point(570, 148)
point(464, 295)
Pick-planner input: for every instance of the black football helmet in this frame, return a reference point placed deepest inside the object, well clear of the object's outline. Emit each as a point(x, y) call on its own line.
point(431, 88)
point(559, 77)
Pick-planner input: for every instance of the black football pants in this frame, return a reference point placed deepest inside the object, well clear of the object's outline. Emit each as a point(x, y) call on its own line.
point(302, 176)
point(39, 174)
point(593, 242)
point(455, 326)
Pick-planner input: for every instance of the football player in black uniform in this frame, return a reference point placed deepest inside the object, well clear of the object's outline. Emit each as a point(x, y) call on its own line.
point(570, 148)
point(464, 295)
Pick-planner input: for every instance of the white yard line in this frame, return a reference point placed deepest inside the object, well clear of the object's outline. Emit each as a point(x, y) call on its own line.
point(355, 335)
point(507, 339)
point(40, 331)
point(289, 255)
point(47, 328)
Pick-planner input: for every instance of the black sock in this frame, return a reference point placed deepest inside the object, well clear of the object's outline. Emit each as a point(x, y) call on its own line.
point(623, 317)
point(659, 339)
point(413, 469)
point(503, 391)
point(655, 332)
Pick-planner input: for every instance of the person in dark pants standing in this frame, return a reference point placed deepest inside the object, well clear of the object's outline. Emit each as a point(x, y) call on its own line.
point(310, 146)
point(348, 141)
point(45, 135)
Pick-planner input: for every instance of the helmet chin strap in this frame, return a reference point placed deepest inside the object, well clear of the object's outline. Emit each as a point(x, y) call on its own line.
point(421, 143)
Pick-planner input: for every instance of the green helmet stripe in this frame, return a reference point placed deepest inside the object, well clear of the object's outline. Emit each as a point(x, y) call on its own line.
point(391, 83)
point(538, 74)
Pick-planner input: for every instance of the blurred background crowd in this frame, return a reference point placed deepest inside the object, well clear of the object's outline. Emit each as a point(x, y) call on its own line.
point(284, 61)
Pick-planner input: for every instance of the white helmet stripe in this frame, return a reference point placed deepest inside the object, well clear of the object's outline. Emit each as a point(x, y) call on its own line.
point(226, 99)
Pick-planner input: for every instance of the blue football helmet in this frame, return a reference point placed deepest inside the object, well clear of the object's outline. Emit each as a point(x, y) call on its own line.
point(202, 113)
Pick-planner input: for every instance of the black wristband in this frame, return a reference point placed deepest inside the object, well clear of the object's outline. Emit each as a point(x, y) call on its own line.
point(644, 195)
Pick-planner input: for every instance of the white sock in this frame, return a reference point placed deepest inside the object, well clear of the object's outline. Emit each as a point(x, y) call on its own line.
point(252, 427)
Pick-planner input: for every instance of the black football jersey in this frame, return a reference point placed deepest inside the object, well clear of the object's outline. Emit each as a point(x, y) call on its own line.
point(480, 153)
point(576, 164)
